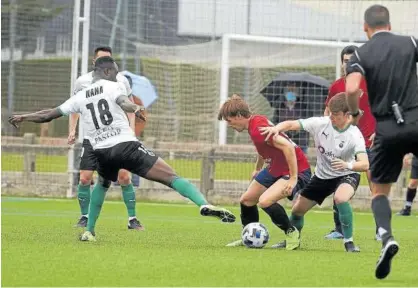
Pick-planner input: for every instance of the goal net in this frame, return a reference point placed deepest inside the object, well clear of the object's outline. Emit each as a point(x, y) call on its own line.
point(195, 54)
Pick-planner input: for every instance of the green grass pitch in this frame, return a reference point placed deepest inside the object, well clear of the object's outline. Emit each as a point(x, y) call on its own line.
point(181, 248)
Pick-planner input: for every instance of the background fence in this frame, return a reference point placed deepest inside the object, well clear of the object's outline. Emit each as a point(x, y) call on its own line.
point(177, 45)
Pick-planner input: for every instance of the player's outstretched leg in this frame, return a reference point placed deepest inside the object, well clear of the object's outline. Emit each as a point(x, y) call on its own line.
point(161, 172)
point(96, 203)
point(128, 194)
point(83, 196)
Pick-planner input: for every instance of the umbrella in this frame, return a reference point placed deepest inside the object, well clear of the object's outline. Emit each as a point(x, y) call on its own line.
point(314, 89)
point(142, 88)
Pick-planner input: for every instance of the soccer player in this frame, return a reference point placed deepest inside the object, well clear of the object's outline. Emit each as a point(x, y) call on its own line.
point(287, 171)
point(367, 126)
point(88, 161)
point(412, 189)
point(102, 106)
point(341, 155)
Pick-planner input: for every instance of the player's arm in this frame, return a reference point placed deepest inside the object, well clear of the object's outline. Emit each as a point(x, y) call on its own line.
point(289, 152)
point(355, 73)
point(291, 125)
point(360, 165)
point(128, 106)
point(37, 117)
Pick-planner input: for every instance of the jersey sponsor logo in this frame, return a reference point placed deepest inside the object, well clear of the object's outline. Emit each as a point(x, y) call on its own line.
point(326, 135)
point(326, 153)
point(106, 133)
point(94, 91)
point(341, 145)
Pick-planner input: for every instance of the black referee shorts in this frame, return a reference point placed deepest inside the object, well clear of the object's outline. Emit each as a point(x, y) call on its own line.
point(391, 144)
point(414, 168)
point(131, 156)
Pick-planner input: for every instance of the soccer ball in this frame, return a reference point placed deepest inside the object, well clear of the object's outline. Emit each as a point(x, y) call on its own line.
point(255, 235)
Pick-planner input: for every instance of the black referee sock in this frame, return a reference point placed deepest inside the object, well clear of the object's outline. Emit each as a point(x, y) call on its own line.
point(278, 216)
point(383, 216)
point(249, 214)
point(410, 196)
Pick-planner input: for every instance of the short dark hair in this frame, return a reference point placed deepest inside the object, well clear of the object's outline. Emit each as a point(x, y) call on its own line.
point(348, 50)
point(102, 48)
point(377, 16)
point(104, 62)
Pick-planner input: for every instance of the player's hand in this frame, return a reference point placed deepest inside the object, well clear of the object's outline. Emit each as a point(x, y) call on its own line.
point(290, 185)
point(140, 113)
point(339, 164)
point(254, 174)
point(15, 120)
point(269, 131)
point(71, 138)
point(371, 138)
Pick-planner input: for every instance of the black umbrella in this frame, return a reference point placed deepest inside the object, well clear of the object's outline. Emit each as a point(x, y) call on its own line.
point(314, 89)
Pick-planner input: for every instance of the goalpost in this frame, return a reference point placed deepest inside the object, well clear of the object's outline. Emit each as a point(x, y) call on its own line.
point(272, 53)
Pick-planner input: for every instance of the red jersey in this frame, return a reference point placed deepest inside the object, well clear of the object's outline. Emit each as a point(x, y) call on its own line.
point(367, 123)
point(274, 157)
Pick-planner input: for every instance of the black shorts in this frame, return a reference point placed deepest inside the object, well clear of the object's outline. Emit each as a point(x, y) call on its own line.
point(318, 189)
point(88, 158)
point(414, 168)
point(131, 156)
point(391, 144)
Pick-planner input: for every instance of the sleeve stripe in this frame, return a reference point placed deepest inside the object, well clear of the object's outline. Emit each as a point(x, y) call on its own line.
point(301, 124)
point(59, 108)
point(358, 56)
point(413, 42)
point(359, 66)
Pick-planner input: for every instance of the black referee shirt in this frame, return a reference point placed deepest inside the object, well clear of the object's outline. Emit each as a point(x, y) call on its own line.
point(388, 62)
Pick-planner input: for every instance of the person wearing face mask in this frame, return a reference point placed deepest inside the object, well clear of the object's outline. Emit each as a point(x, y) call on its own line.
point(290, 109)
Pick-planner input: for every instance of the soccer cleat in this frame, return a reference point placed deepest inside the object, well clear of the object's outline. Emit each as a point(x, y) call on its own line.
point(82, 222)
point(334, 234)
point(135, 225)
point(377, 237)
point(235, 244)
point(279, 245)
point(292, 239)
point(350, 247)
point(221, 213)
point(88, 236)
point(384, 262)
point(406, 211)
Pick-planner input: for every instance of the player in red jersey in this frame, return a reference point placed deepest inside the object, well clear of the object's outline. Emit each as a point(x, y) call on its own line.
point(366, 124)
point(287, 170)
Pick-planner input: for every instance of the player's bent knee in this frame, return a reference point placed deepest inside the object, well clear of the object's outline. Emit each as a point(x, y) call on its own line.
point(86, 177)
point(413, 184)
point(248, 200)
point(124, 177)
point(264, 203)
point(104, 182)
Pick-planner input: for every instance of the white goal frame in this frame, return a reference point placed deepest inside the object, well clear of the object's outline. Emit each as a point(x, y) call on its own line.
point(226, 41)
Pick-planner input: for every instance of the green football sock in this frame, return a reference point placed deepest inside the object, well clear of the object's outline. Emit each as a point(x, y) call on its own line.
point(83, 195)
point(188, 190)
point(97, 199)
point(128, 194)
point(346, 217)
point(297, 221)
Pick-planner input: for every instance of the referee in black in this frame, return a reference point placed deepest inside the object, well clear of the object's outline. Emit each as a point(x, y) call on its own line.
point(388, 62)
